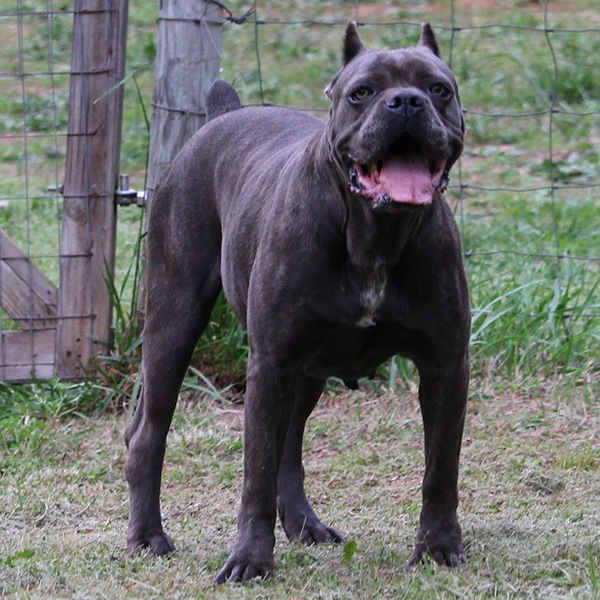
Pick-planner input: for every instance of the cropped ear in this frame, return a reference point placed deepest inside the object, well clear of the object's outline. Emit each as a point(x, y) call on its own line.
point(329, 89)
point(428, 39)
point(353, 45)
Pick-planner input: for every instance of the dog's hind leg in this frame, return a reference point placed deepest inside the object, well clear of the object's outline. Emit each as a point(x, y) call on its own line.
point(297, 517)
point(180, 301)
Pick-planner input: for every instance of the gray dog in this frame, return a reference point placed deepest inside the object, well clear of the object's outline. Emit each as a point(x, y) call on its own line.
point(336, 249)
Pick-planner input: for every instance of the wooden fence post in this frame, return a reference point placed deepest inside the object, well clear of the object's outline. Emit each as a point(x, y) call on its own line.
point(187, 62)
point(92, 161)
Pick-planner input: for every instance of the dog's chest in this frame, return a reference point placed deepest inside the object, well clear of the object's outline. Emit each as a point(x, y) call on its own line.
point(371, 293)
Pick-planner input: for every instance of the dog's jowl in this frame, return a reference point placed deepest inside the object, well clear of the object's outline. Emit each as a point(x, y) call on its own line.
point(336, 249)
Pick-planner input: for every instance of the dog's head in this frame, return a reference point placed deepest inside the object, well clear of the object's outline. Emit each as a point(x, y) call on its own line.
point(396, 125)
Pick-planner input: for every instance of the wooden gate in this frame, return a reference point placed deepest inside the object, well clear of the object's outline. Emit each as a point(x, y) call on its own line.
point(61, 331)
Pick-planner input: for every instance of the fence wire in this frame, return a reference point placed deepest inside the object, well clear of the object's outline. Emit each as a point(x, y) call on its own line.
point(34, 70)
point(35, 81)
point(466, 187)
point(543, 149)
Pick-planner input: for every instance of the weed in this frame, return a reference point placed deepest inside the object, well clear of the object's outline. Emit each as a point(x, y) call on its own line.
point(349, 550)
point(27, 412)
point(223, 349)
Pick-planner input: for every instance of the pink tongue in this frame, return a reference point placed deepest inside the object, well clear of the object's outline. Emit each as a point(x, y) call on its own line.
point(406, 178)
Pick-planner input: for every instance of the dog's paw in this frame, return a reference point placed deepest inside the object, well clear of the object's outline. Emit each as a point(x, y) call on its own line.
point(312, 531)
point(241, 567)
point(442, 556)
point(444, 547)
point(320, 534)
point(158, 544)
point(300, 523)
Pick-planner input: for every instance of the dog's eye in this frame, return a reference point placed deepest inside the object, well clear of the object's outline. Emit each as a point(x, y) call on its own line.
point(360, 94)
point(439, 89)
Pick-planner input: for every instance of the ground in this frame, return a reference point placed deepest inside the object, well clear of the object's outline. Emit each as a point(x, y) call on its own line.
point(529, 502)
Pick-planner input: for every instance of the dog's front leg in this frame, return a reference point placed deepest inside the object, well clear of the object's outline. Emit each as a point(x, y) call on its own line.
point(267, 410)
point(297, 516)
point(443, 399)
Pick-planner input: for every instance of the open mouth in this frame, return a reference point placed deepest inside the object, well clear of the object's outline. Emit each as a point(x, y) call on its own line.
point(405, 174)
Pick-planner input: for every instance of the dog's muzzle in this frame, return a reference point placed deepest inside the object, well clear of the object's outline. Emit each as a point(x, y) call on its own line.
point(404, 175)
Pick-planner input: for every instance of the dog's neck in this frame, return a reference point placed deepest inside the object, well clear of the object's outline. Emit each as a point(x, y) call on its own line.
point(374, 240)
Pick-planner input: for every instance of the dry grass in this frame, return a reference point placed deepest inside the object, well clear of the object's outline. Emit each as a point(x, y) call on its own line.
point(530, 509)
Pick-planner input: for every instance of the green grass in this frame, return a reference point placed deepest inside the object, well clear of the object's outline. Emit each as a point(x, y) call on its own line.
point(28, 413)
point(533, 314)
point(528, 503)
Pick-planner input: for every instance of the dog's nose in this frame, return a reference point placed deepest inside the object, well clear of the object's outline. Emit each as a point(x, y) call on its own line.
point(406, 102)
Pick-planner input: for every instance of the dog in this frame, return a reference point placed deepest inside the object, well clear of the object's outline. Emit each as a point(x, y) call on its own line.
point(335, 247)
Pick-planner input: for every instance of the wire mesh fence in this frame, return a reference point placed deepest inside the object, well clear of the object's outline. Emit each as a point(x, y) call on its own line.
point(60, 136)
point(524, 191)
point(34, 75)
point(551, 105)
point(34, 81)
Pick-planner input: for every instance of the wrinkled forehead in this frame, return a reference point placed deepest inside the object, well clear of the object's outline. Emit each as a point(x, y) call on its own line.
point(408, 66)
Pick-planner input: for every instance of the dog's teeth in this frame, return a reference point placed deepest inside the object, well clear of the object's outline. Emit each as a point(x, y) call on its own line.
point(443, 183)
point(383, 199)
point(356, 184)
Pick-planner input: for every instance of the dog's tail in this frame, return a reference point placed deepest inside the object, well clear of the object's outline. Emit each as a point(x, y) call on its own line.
point(221, 99)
